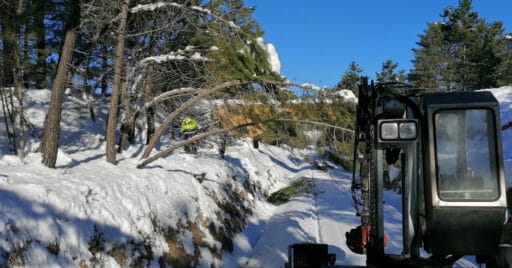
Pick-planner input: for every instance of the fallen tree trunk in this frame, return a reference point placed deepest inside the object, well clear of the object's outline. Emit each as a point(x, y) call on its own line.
point(146, 161)
point(200, 95)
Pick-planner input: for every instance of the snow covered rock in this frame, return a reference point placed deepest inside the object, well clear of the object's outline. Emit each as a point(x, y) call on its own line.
point(346, 95)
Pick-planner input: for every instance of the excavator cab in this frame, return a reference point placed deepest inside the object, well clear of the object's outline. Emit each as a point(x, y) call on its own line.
point(452, 185)
point(463, 172)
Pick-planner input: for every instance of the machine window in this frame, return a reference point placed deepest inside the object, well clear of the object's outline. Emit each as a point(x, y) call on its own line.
point(466, 154)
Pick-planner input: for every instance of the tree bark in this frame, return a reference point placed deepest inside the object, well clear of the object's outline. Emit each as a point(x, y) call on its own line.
point(128, 127)
point(7, 109)
point(116, 87)
point(51, 127)
point(7, 21)
point(18, 80)
point(150, 112)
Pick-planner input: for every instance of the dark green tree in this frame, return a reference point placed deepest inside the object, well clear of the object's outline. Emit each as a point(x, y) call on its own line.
point(462, 52)
point(430, 70)
point(388, 73)
point(350, 78)
point(242, 56)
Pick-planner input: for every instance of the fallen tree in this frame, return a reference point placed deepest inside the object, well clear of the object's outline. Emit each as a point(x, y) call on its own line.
point(166, 152)
point(200, 95)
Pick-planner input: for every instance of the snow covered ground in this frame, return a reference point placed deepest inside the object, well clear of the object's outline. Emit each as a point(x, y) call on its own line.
point(504, 96)
point(322, 216)
point(89, 212)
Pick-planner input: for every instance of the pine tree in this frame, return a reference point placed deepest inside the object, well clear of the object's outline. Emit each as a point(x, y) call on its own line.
point(51, 127)
point(387, 73)
point(462, 52)
point(241, 56)
point(350, 78)
point(429, 71)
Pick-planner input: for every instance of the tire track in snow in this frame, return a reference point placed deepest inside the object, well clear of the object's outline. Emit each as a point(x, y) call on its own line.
point(336, 215)
point(322, 216)
point(317, 216)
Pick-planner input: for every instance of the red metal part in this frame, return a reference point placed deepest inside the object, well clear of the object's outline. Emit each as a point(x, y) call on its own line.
point(358, 237)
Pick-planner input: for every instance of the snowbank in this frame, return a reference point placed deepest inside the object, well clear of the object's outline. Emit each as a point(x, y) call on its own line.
point(87, 208)
point(504, 96)
point(89, 212)
point(346, 94)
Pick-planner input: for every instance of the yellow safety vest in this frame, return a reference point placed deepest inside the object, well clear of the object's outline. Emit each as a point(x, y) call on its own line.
point(188, 124)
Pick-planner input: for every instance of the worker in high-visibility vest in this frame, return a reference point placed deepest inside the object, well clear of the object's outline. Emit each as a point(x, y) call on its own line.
point(188, 125)
point(189, 129)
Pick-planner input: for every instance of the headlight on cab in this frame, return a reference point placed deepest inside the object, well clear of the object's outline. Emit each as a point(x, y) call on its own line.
point(389, 131)
point(408, 131)
point(398, 129)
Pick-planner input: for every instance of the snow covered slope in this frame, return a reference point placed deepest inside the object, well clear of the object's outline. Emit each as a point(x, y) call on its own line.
point(504, 96)
point(87, 211)
point(88, 203)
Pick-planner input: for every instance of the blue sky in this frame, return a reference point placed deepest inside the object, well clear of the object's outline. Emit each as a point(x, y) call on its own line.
point(317, 40)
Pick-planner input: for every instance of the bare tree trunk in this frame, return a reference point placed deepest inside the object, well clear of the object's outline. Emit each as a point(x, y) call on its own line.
point(150, 112)
point(150, 117)
point(23, 64)
point(7, 109)
point(51, 127)
point(12, 118)
point(114, 101)
point(128, 127)
point(225, 130)
point(7, 23)
point(18, 79)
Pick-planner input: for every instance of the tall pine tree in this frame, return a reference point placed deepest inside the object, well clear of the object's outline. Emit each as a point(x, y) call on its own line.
point(350, 78)
point(462, 52)
point(430, 70)
point(388, 73)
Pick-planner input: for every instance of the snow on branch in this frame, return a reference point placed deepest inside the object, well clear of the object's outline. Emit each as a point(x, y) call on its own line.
point(173, 56)
point(233, 25)
point(180, 55)
point(166, 95)
point(198, 57)
point(201, 9)
point(311, 86)
point(154, 6)
point(162, 58)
